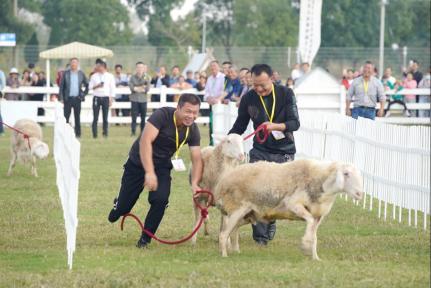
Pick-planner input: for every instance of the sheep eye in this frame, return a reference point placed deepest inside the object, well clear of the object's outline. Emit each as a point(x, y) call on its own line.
point(346, 174)
point(228, 141)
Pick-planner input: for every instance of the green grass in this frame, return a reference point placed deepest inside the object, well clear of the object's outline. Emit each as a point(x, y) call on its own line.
point(357, 248)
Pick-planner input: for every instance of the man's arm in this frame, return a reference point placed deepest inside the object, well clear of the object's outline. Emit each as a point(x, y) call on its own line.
point(61, 89)
point(146, 154)
point(349, 96)
point(85, 83)
point(382, 99)
point(243, 118)
point(197, 164)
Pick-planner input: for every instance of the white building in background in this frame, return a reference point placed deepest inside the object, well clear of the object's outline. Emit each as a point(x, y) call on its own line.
point(319, 90)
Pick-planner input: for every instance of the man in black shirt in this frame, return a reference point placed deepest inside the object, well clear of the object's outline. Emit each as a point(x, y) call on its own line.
point(150, 164)
point(274, 106)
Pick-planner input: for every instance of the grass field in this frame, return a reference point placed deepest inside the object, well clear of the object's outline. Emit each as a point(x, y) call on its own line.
point(357, 248)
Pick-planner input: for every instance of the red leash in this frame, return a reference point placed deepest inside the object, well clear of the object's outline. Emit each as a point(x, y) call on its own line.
point(264, 129)
point(204, 214)
point(26, 136)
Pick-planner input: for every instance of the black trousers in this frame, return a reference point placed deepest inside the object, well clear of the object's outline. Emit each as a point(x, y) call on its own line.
point(138, 108)
point(75, 103)
point(97, 103)
point(261, 230)
point(132, 185)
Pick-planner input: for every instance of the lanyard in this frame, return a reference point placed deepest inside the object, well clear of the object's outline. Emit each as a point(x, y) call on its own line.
point(366, 87)
point(177, 138)
point(273, 105)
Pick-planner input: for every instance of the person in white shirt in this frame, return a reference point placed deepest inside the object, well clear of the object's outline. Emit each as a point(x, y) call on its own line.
point(103, 85)
point(214, 89)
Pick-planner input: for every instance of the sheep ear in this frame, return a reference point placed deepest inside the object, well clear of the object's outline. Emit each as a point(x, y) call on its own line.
point(335, 181)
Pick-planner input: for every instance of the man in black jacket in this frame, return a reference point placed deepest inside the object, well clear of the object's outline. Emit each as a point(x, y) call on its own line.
point(274, 106)
point(73, 88)
point(161, 79)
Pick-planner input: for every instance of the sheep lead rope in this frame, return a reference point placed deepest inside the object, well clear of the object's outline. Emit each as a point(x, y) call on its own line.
point(204, 215)
point(264, 129)
point(26, 136)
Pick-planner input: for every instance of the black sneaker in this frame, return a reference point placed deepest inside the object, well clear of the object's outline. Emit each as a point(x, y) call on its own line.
point(271, 230)
point(142, 242)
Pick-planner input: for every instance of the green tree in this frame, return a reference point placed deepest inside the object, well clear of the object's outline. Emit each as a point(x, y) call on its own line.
point(10, 24)
point(357, 23)
point(162, 30)
point(99, 22)
point(265, 23)
point(31, 50)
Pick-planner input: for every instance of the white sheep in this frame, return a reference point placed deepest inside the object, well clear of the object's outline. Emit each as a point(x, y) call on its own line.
point(299, 190)
point(27, 150)
point(227, 154)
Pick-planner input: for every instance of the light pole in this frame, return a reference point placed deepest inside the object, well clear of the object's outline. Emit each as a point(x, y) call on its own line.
point(204, 33)
point(382, 35)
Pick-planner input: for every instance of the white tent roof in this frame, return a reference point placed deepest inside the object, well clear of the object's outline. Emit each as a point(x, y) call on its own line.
point(76, 49)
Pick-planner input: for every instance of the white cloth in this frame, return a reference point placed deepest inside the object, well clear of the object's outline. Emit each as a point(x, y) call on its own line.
point(214, 86)
point(108, 89)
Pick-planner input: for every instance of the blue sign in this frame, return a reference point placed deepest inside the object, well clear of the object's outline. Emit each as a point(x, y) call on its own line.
point(7, 39)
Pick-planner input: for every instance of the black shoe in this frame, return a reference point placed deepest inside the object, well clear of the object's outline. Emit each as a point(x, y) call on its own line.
point(261, 243)
point(271, 230)
point(142, 242)
point(113, 215)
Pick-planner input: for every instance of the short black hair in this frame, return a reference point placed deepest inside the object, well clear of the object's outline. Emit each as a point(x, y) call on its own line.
point(175, 66)
point(227, 62)
point(415, 61)
point(31, 65)
point(189, 98)
point(244, 69)
point(118, 66)
point(73, 58)
point(369, 62)
point(139, 62)
point(100, 62)
point(258, 69)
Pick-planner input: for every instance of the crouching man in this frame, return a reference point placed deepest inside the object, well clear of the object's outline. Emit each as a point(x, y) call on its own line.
point(275, 106)
point(150, 162)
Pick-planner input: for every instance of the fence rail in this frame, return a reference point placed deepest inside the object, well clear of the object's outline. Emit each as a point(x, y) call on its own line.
point(304, 103)
point(394, 160)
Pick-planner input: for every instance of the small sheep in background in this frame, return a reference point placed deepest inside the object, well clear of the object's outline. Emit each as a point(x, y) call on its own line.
point(299, 190)
point(20, 149)
point(227, 154)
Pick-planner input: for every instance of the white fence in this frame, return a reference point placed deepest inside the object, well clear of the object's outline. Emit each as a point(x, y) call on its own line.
point(67, 157)
point(304, 103)
point(394, 160)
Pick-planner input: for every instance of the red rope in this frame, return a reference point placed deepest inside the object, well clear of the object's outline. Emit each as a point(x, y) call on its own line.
point(26, 136)
point(204, 215)
point(264, 129)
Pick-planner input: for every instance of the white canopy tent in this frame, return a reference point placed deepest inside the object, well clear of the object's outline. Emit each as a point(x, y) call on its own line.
point(74, 49)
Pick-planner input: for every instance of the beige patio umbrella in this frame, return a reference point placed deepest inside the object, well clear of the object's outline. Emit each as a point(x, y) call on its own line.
point(74, 49)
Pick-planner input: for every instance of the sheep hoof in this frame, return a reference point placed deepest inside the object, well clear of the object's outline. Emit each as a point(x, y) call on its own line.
point(316, 258)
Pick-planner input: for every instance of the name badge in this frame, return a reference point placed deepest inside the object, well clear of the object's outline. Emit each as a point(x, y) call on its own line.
point(278, 135)
point(178, 164)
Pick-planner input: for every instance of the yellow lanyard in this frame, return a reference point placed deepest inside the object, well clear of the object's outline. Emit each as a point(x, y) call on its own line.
point(177, 138)
point(366, 87)
point(273, 105)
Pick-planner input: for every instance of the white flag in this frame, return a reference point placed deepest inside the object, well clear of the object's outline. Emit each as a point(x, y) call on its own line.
point(309, 29)
point(67, 158)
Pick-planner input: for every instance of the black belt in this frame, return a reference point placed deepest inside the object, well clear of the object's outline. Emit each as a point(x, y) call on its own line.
point(366, 107)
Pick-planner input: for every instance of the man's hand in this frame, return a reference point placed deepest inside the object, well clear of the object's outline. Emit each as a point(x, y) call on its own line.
point(380, 113)
point(151, 181)
point(110, 101)
point(348, 112)
point(195, 188)
point(274, 126)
